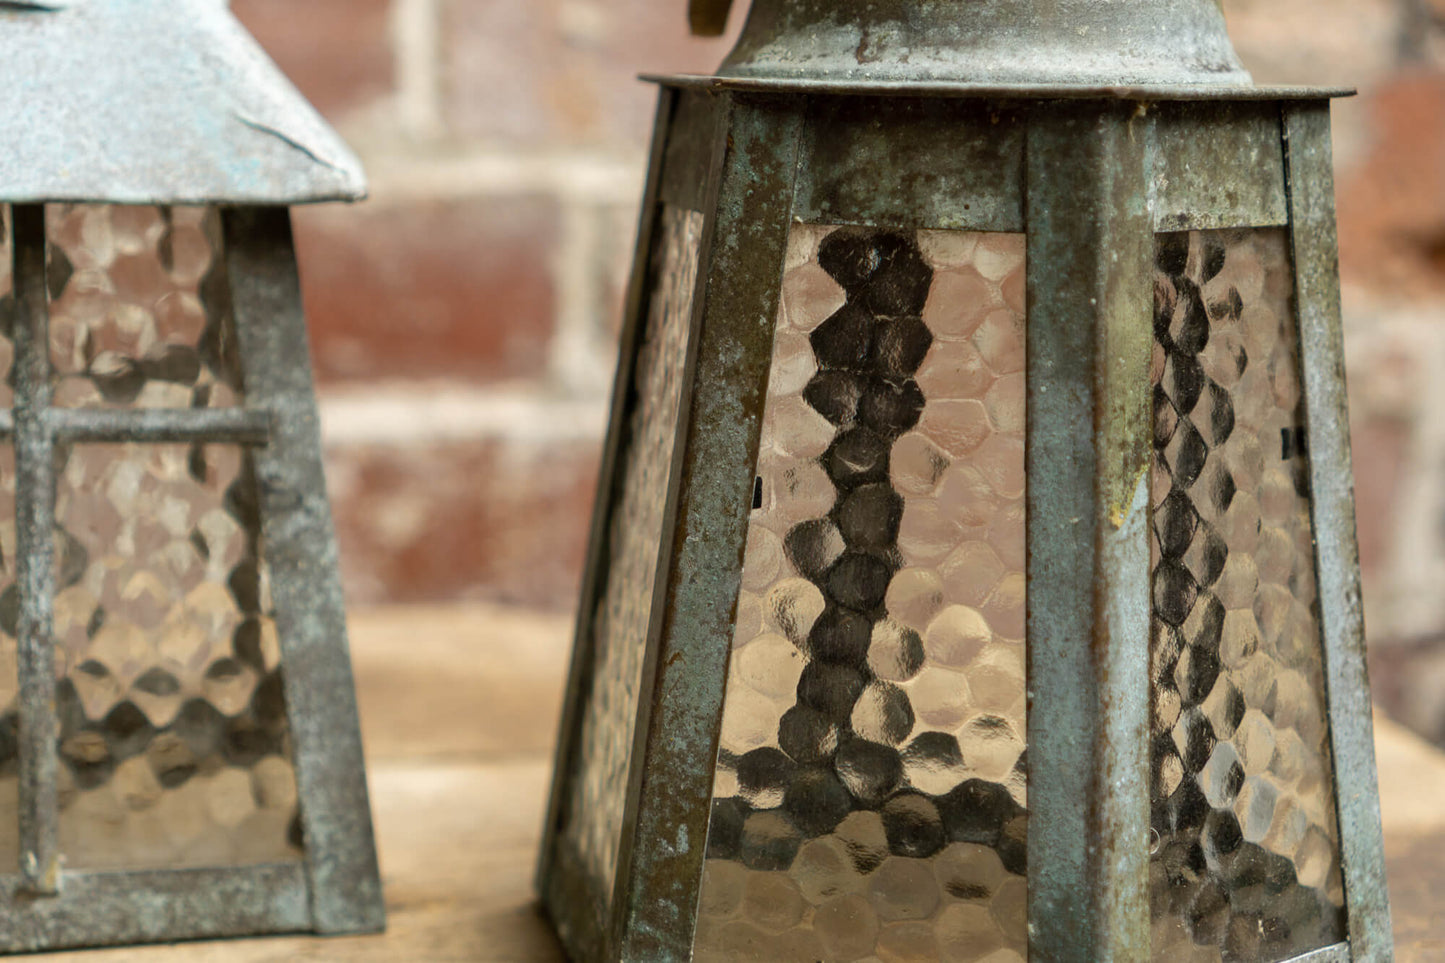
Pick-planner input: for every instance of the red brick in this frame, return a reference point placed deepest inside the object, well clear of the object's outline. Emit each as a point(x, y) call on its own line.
point(1392, 208)
point(338, 52)
point(500, 521)
point(459, 289)
point(547, 71)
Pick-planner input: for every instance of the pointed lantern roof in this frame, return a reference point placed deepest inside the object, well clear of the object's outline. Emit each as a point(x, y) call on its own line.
point(155, 102)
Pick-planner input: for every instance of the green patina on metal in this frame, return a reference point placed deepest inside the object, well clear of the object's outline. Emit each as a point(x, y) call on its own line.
point(696, 604)
point(129, 102)
point(1089, 253)
point(1316, 254)
point(1090, 126)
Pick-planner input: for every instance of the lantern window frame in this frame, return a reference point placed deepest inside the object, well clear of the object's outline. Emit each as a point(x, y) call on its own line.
point(120, 102)
point(750, 155)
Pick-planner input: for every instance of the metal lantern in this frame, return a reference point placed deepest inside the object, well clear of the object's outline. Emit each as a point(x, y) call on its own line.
point(974, 574)
point(179, 749)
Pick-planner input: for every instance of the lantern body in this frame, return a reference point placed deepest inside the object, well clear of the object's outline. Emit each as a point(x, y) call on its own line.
point(181, 755)
point(973, 575)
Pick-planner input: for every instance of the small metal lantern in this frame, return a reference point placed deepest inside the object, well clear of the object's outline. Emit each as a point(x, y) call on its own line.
point(974, 573)
point(179, 750)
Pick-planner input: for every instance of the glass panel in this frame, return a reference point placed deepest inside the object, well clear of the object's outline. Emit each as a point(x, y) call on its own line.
point(9, 679)
point(174, 741)
point(870, 790)
point(593, 827)
point(140, 315)
point(7, 307)
point(1246, 856)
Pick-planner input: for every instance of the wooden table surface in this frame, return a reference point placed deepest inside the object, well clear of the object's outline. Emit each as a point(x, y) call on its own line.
point(459, 710)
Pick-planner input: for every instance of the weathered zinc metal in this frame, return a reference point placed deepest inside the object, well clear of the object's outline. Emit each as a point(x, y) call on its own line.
point(156, 102)
point(171, 102)
point(1078, 43)
point(336, 888)
point(1091, 125)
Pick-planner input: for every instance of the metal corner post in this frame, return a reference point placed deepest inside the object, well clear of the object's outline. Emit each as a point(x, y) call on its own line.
point(579, 913)
point(300, 548)
point(1090, 338)
point(35, 560)
point(594, 575)
point(1316, 253)
point(730, 358)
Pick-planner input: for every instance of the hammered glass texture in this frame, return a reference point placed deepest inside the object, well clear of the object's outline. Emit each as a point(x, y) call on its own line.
point(7, 306)
point(593, 819)
point(174, 744)
point(869, 800)
point(140, 313)
point(1246, 855)
point(9, 677)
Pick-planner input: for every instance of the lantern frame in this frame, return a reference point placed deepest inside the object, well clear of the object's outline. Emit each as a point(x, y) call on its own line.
point(1090, 174)
point(212, 122)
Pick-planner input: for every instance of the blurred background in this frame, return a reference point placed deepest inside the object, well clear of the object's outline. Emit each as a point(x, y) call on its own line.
point(464, 320)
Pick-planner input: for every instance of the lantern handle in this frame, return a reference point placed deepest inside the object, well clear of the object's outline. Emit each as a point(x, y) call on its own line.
point(708, 18)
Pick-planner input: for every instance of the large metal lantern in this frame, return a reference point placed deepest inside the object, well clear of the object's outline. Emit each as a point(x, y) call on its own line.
point(179, 749)
point(974, 574)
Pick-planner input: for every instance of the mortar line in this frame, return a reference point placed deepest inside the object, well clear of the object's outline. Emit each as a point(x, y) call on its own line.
point(577, 364)
point(416, 46)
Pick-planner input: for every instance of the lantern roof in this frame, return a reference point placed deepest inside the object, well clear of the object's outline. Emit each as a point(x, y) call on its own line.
point(1081, 44)
point(156, 102)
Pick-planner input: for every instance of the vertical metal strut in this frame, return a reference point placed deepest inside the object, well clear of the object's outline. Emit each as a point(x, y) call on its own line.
point(1313, 236)
point(300, 549)
point(35, 559)
point(1090, 246)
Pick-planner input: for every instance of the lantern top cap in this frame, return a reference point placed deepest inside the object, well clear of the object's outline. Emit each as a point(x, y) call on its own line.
point(156, 102)
point(995, 43)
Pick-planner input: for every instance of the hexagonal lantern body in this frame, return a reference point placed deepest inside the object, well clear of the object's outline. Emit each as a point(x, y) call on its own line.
point(179, 751)
point(973, 574)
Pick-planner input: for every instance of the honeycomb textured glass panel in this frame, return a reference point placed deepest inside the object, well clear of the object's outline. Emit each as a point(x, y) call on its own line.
point(869, 800)
point(140, 314)
point(1246, 861)
point(174, 742)
point(593, 818)
point(9, 677)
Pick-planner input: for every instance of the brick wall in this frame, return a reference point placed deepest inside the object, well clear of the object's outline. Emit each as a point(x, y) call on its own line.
point(464, 319)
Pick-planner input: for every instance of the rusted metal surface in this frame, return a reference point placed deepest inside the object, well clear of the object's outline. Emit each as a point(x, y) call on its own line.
point(1316, 254)
point(1089, 254)
point(735, 311)
point(338, 887)
point(113, 909)
point(1216, 165)
point(1090, 125)
point(166, 103)
point(988, 90)
point(708, 18)
point(35, 561)
point(949, 165)
point(580, 914)
point(300, 548)
point(1067, 42)
point(155, 425)
point(690, 140)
